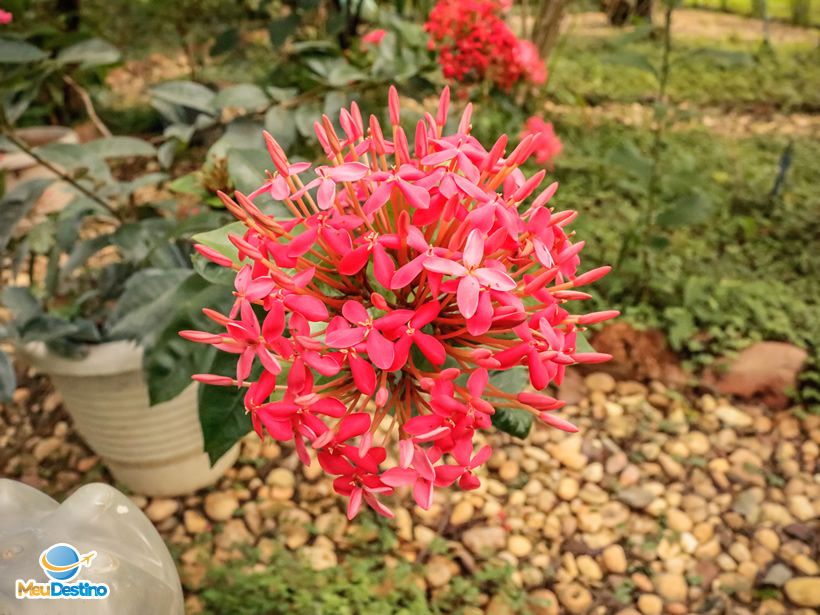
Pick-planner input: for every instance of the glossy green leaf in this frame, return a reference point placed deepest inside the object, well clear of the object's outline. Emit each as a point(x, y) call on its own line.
point(245, 95)
point(280, 29)
point(186, 94)
point(170, 361)
point(217, 239)
point(222, 410)
point(19, 52)
point(146, 302)
point(119, 147)
point(513, 421)
point(279, 122)
point(510, 420)
point(16, 204)
point(88, 53)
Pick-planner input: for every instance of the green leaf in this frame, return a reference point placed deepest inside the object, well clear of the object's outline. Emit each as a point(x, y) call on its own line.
point(280, 124)
point(119, 147)
point(47, 328)
point(19, 52)
point(22, 305)
point(218, 239)
point(510, 420)
point(8, 379)
point(82, 251)
point(247, 167)
point(188, 184)
point(280, 29)
point(222, 410)
point(186, 94)
point(245, 95)
point(16, 204)
point(212, 272)
point(226, 41)
point(513, 421)
point(344, 74)
point(692, 208)
point(170, 361)
point(146, 302)
point(582, 343)
point(92, 52)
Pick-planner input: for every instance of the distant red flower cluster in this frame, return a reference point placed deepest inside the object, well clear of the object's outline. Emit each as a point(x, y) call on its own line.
point(475, 44)
point(546, 144)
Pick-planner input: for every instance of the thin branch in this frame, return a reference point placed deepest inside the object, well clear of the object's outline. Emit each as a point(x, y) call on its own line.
point(89, 106)
point(23, 146)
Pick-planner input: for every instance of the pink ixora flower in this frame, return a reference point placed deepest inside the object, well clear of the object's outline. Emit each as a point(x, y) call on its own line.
point(382, 308)
point(5, 17)
point(374, 37)
point(546, 144)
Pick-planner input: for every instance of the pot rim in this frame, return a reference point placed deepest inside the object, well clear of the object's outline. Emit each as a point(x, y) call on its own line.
point(105, 359)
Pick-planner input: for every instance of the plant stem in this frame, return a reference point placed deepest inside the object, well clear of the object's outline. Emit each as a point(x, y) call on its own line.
point(658, 131)
point(89, 106)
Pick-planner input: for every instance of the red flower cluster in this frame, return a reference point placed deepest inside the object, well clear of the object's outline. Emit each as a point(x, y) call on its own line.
point(474, 44)
point(546, 144)
point(404, 276)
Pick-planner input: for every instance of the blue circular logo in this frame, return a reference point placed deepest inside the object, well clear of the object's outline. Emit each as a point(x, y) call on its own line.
point(61, 562)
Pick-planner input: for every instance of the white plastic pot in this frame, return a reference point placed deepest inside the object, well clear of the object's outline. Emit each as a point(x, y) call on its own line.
point(154, 450)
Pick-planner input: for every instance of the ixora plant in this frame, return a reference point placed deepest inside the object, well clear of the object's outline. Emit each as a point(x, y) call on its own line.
point(408, 292)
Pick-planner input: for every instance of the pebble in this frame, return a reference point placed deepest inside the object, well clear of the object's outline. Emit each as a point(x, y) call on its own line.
point(194, 522)
point(509, 470)
point(600, 382)
point(650, 604)
point(281, 482)
point(233, 533)
point(636, 497)
point(733, 417)
point(520, 546)
point(800, 506)
point(484, 540)
point(671, 587)
point(803, 591)
point(614, 559)
point(463, 511)
point(777, 575)
point(220, 505)
point(543, 602)
point(568, 488)
point(320, 556)
point(439, 571)
point(575, 598)
point(161, 509)
point(46, 447)
point(678, 520)
point(589, 568)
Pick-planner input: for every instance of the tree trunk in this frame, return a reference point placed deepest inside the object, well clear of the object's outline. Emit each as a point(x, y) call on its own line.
point(547, 25)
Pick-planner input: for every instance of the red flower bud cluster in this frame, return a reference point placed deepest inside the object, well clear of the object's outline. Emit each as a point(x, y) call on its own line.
point(474, 44)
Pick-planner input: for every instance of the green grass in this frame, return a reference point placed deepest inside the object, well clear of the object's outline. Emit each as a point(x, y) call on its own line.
point(745, 273)
point(777, 9)
point(726, 73)
point(369, 579)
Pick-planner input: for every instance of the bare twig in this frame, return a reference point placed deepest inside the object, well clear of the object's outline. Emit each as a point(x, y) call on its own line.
point(89, 105)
